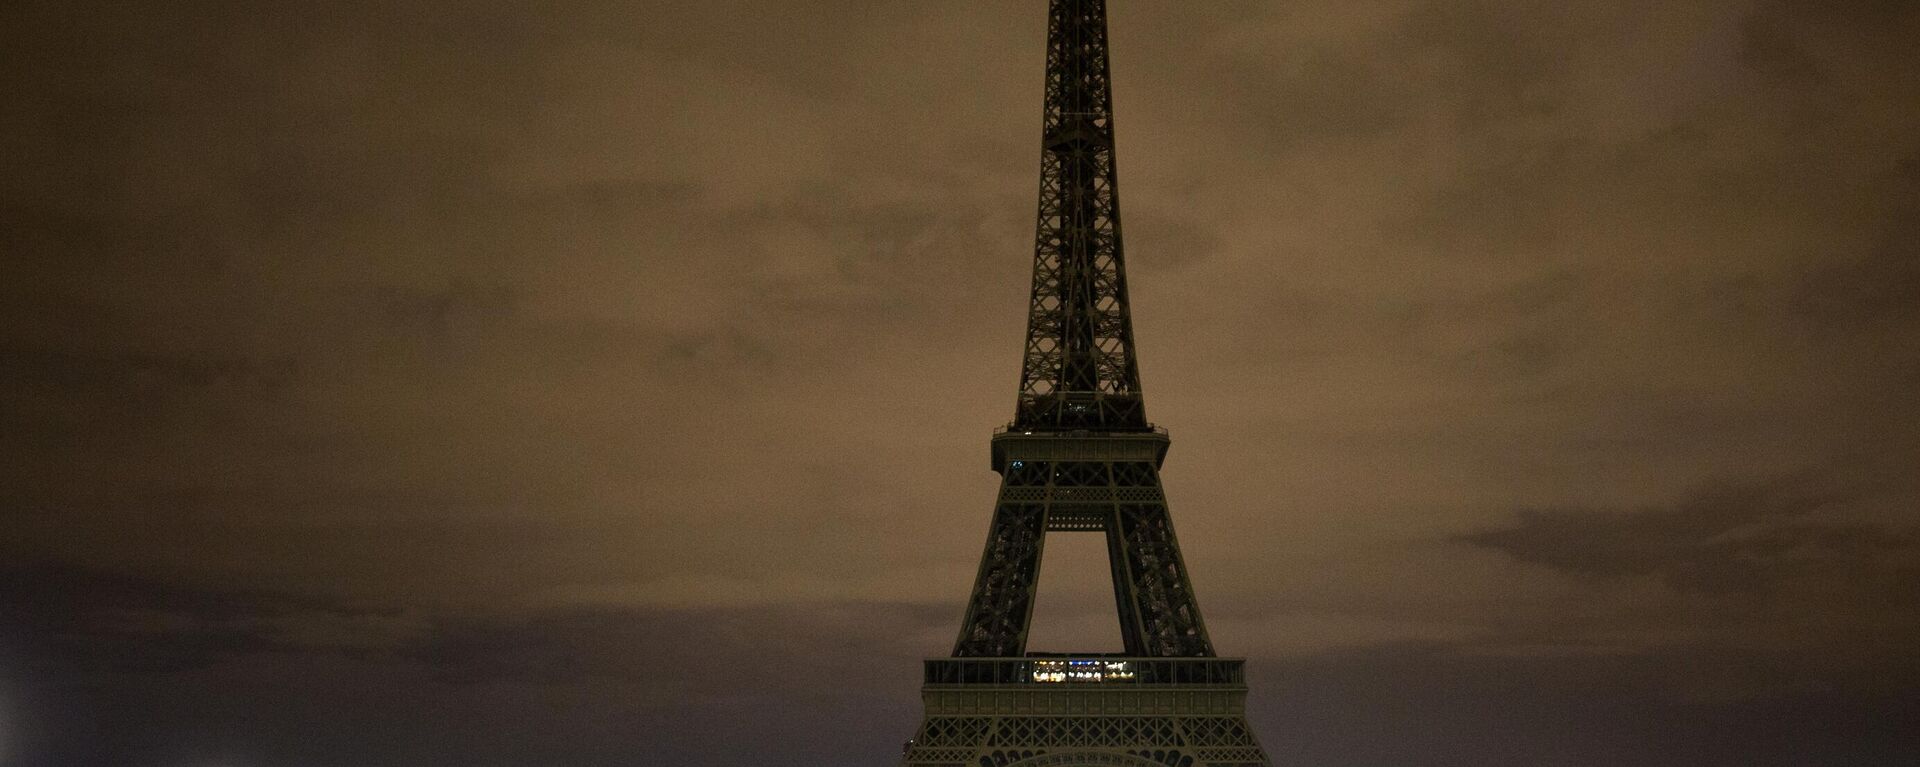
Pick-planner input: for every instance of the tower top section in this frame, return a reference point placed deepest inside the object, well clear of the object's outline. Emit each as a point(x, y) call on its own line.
point(1079, 371)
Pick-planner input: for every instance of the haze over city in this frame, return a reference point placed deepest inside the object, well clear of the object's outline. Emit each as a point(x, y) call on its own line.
point(499, 383)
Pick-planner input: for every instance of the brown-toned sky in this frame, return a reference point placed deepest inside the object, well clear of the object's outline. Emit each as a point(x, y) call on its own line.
point(495, 383)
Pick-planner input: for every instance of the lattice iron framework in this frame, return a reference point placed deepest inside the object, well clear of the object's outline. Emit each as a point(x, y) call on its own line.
point(1080, 376)
point(1065, 483)
point(1080, 456)
point(1079, 370)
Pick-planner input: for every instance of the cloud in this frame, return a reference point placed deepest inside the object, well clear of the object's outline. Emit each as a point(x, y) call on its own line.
point(470, 383)
point(253, 672)
point(1801, 575)
point(1426, 704)
point(1745, 538)
point(106, 622)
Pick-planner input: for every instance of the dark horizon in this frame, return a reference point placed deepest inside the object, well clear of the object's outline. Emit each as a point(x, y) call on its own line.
point(484, 384)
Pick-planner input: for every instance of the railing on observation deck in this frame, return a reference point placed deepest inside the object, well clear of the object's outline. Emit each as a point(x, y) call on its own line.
point(1102, 670)
point(1152, 428)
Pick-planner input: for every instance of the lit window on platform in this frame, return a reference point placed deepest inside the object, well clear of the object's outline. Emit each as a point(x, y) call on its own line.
point(1051, 671)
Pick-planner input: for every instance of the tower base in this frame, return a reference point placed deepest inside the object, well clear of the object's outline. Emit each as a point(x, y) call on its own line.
point(1084, 711)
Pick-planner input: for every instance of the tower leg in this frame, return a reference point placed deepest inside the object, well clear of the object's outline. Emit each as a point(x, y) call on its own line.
point(1001, 607)
point(1163, 601)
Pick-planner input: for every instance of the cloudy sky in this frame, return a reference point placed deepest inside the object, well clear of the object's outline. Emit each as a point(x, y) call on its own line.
point(587, 383)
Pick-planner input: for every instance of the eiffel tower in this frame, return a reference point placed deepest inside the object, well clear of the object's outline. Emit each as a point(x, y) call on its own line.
point(1081, 456)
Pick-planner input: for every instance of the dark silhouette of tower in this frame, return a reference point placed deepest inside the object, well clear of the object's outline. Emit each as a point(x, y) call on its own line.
point(1081, 456)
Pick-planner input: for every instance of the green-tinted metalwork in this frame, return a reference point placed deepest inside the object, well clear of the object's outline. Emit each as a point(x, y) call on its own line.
point(1080, 456)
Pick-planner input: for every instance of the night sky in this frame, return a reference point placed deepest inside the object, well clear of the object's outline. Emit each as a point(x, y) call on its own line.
point(594, 383)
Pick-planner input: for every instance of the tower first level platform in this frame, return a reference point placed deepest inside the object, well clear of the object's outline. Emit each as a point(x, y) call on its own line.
point(1084, 711)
